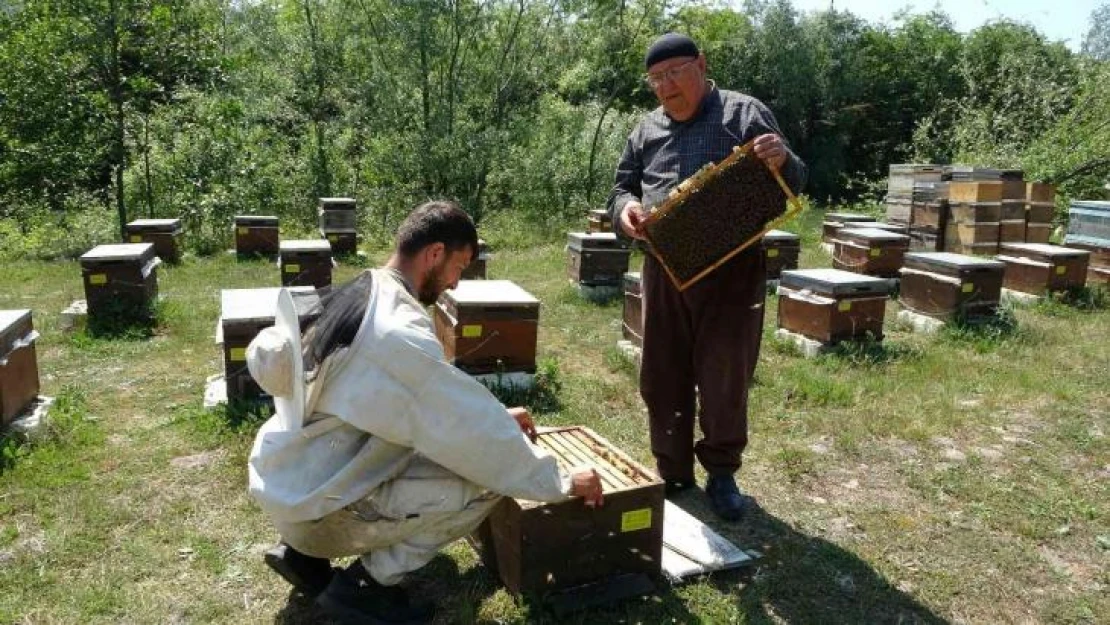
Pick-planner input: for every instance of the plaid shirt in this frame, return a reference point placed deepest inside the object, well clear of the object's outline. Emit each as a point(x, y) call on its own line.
point(661, 152)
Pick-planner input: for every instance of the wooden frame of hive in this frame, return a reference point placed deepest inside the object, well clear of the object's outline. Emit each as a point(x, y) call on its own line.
point(706, 178)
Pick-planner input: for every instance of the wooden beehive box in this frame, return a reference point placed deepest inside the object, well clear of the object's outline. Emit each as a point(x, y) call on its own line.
point(1040, 192)
point(1040, 213)
point(121, 281)
point(164, 234)
point(256, 234)
point(342, 241)
point(596, 259)
point(905, 176)
point(1038, 268)
point(930, 216)
point(951, 286)
point(19, 369)
point(974, 212)
point(835, 221)
point(337, 213)
point(487, 326)
point(976, 238)
point(899, 209)
point(1038, 232)
point(974, 192)
point(715, 214)
point(305, 263)
point(781, 250)
point(243, 314)
point(1100, 251)
point(1098, 275)
point(870, 251)
point(926, 240)
point(538, 548)
point(632, 326)
point(1013, 184)
point(830, 305)
point(476, 270)
point(599, 221)
point(1011, 231)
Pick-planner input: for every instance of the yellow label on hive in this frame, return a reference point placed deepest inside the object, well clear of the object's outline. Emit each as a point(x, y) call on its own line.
point(772, 253)
point(844, 306)
point(1061, 270)
point(876, 252)
point(292, 268)
point(135, 238)
point(244, 230)
point(636, 520)
point(967, 287)
point(238, 354)
point(98, 278)
point(472, 331)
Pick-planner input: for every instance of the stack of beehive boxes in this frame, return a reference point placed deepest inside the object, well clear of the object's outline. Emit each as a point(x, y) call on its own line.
point(917, 197)
point(1040, 206)
point(1012, 218)
point(974, 212)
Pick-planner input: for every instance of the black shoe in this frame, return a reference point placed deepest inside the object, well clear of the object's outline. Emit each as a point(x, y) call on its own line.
point(307, 574)
point(354, 597)
point(674, 487)
point(725, 497)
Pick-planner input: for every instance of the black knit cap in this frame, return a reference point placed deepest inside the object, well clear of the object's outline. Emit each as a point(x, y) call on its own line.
point(669, 46)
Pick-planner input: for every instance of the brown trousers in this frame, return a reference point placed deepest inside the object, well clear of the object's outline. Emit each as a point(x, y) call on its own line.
point(705, 339)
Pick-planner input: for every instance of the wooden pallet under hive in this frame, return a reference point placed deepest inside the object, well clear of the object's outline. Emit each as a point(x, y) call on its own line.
point(539, 548)
point(715, 214)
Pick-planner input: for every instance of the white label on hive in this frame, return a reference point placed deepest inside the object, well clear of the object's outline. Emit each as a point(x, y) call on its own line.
point(135, 238)
point(772, 253)
point(844, 306)
point(471, 331)
point(967, 287)
point(1061, 270)
point(876, 252)
point(238, 354)
point(634, 520)
point(292, 268)
point(244, 230)
point(98, 278)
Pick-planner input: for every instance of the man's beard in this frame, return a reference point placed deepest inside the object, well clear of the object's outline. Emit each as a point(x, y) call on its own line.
point(432, 287)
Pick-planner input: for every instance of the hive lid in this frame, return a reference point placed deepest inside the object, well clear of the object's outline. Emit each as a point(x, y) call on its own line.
point(834, 282)
point(600, 213)
point(155, 223)
point(594, 240)
point(119, 251)
point(337, 204)
point(1078, 239)
point(780, 235)
point(260, 305)
point(916, 168)
point(948, 260)
point(1095, 205)
point(1043, 249)
point(872, 234)
point(256, 220)
point(305, 245)
point(848, 217)
point(10, 319)
point(491, 292)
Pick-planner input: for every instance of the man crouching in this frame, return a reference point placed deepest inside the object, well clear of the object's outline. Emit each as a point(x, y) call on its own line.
point(378, 446)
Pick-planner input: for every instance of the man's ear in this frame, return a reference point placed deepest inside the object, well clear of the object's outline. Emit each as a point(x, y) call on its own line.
point(433, 254)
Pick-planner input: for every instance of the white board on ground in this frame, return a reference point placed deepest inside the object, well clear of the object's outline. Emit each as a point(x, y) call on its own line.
point(691, 547)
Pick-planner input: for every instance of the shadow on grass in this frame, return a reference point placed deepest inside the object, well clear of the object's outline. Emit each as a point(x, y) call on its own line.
point(988, 334)
point(541, 397)
point(803, 578)
point(870, 352)
point(1080, 299)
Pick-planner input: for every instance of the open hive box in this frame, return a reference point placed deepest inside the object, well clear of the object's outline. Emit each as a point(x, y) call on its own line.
point(717, 213)
point(632, 323)
point(538, 548)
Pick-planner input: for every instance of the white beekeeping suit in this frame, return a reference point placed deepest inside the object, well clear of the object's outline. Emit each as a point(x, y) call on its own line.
point(389, 452)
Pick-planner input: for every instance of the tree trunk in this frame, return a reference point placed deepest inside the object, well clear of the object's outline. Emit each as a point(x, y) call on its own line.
point(115, 92)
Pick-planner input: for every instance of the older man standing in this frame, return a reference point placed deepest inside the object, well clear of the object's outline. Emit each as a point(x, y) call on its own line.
point(704, 340)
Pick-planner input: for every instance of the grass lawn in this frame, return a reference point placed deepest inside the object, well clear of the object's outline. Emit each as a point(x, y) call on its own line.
point(963, 477)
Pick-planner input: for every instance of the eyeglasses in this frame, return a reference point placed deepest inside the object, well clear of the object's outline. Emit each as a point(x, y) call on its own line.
point(674, 73)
